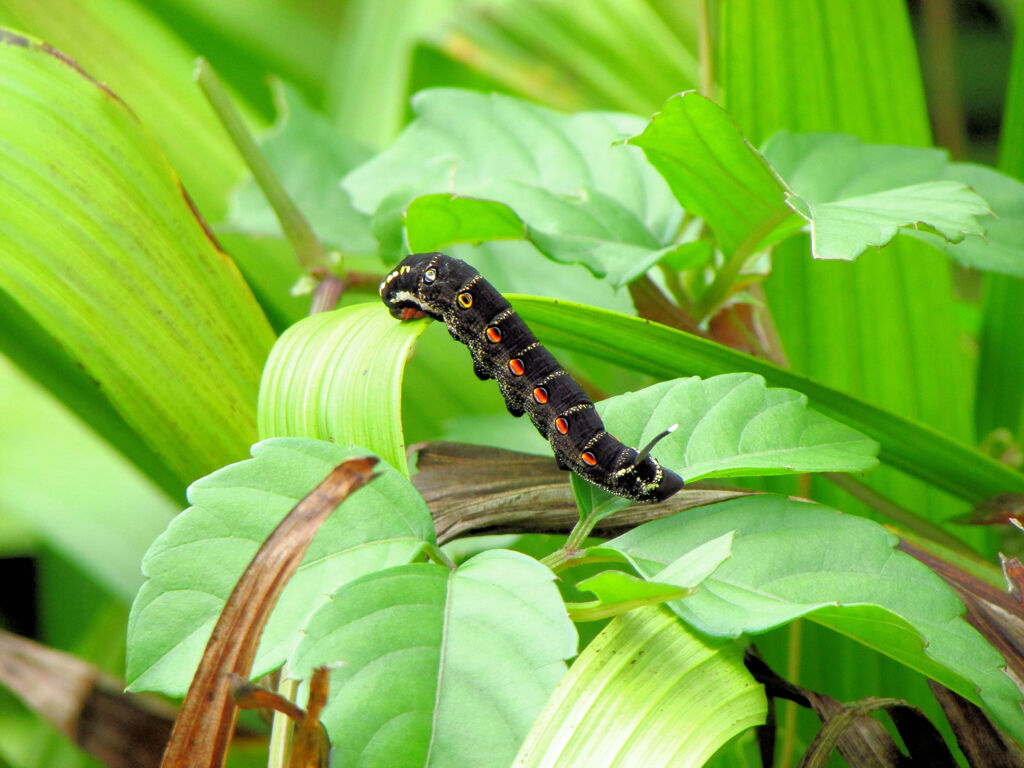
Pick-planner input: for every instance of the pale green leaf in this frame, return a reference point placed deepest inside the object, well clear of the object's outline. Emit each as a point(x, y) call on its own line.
point(442, 667)
point(338, 376)
point(102, 250)
point(858, 195)
point(124, 44)
point(734, 425)
point(646, 691)
point(839, 570)
point(585, 197)
point(193, 566)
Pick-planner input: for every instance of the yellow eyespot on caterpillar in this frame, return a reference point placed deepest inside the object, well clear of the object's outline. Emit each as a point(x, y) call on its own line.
point(465, 300)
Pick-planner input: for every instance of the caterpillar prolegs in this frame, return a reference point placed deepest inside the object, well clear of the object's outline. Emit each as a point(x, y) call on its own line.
point(531, 380)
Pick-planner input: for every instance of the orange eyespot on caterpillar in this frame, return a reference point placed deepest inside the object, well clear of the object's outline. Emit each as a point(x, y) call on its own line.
point(532, 382)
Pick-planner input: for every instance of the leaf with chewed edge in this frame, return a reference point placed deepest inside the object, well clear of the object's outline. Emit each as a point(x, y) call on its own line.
point(193, 566)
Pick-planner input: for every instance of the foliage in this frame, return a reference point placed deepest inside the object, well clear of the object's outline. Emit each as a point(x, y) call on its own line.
point(761, 263)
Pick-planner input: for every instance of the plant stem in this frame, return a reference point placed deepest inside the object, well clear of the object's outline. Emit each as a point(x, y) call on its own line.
point(282, 726)
point(308, 249)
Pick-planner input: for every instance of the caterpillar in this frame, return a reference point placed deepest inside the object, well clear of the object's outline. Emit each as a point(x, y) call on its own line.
point(530, 378)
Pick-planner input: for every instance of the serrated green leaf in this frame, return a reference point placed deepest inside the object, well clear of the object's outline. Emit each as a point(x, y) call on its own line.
point(845, 228)
point(649, 692)
point(102, 249)
point(193, 566)
point(858, 195)
point(585, 198)
point(733, 425)
point(338, 376)
point(442, 668)
point(715, 173)
point(1002, 249)
point(839, 570)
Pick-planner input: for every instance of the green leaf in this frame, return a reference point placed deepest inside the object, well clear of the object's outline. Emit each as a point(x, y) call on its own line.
point(435, 221)
point(194, 565)
point(1002, 249)
point(64, 483)
point(123, 44)
point(667, 353)
point(585, 198)
point(715, 173)
point(844, 229)
point(104, 252)
point(856, 195)
point(794, 558)
point(309, 157)
point(338, 376)
point(733, 426)
point(442, 667)
point(646, 691)
point(618, 592)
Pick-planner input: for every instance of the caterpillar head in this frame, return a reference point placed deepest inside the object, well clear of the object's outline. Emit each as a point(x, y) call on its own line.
point(418, 287)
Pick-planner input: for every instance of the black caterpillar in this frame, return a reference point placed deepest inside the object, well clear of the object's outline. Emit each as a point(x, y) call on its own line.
point(531, 380)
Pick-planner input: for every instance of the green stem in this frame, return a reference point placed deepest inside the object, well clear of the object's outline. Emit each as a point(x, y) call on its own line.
point(282, 726)
point(308, 249)
point(439, 556)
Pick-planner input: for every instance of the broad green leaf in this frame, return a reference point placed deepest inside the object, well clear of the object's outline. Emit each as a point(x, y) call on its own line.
point(715, 173)
point(794, 558)
point(585, 197)
point(728, 426)
point(618, 592)
point(1002, 249)
point(442, 667)
point(104, 252)
point(647, 691)
point(71, 489)
point(733, 425)
point(338, 376)
point(435, 221)
point(309, 157)
point(194, 565)
point(123, 44)
point(857, 195)
point(845, 228)
point(668, 353)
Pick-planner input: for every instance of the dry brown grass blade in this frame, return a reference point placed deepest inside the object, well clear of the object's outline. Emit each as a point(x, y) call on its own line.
point(475, 489)
point(122, 730)
point(204, 725)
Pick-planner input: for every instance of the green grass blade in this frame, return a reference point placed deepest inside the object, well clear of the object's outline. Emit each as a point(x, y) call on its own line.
point(667, 353)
